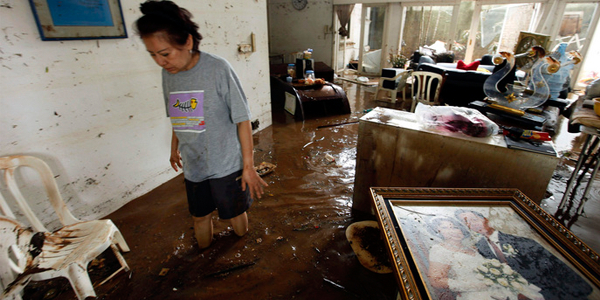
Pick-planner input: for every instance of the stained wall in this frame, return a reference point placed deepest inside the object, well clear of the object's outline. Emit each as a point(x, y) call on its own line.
point(93, 110)
point(292, 30)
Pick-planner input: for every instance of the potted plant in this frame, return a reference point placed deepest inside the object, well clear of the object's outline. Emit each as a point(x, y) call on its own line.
point(397, 59)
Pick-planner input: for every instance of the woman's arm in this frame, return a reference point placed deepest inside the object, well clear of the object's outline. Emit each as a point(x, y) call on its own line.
point(175, 155)
point(250, 179)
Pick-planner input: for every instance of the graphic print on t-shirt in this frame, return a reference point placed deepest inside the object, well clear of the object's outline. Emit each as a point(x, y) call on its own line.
point(187, 111)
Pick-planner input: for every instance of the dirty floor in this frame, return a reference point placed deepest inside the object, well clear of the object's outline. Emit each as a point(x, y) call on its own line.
point(296, 246)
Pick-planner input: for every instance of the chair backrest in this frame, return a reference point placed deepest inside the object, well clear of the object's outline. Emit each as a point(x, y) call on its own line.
point(14, 256)
point(9, 165)
point(426, 86)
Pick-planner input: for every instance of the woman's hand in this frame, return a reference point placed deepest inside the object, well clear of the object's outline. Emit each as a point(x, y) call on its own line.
point(252, 181)
point(175, 160)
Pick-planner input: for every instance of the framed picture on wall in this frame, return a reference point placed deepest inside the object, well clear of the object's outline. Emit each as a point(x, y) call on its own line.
point(78, 19)
point(481, 244)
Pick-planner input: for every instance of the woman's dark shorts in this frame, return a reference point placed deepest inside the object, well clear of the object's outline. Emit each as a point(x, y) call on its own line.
point(223, 194)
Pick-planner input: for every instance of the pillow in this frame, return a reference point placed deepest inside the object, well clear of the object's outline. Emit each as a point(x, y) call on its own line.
point(470, 67)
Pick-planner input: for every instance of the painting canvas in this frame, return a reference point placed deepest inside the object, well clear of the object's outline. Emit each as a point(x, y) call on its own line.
point(482, 244)
point(78, 19)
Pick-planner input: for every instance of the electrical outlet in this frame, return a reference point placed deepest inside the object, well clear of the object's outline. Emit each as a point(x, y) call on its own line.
point(245, 48)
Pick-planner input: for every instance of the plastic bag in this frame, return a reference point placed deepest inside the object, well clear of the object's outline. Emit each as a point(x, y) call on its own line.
point(464, 120)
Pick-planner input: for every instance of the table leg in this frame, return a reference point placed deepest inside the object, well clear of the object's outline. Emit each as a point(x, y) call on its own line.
point(596, 159)
point(583, 156)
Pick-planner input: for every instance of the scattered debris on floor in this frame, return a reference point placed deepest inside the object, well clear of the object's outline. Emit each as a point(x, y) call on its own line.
point(365, 239)
point(304, 227)
point(265, 168)
point(340, 287)
point(226, 271)
point(163, 272)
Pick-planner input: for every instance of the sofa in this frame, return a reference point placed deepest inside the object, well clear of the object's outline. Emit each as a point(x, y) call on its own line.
point(459, 87)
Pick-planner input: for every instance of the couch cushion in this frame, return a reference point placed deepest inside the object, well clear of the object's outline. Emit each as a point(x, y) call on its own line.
point(468, 67)
point(463, 87)
point(390, 72)
point(435, 68)
point(487, 60)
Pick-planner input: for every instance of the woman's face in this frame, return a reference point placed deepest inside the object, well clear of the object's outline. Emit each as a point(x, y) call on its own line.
point(449, 231)
point(173, 58)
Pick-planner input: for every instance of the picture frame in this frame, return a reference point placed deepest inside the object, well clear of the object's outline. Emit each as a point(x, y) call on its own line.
point(421, 227)
point(78, 20)
point(527, 40)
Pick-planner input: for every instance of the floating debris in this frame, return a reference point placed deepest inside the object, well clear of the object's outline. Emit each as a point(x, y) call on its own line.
point(236, 267)
point(306, 227)
point(340, 287)
point(329, 158)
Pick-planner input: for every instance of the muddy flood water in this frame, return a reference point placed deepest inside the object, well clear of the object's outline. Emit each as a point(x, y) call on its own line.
point(296, 246)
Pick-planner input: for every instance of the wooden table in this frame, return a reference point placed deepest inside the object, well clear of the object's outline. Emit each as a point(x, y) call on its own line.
point(394, 150)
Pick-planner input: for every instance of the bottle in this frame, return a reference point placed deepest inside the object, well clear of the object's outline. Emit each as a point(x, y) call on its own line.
point(310, 77)
point(308, 53)
point(291, 70)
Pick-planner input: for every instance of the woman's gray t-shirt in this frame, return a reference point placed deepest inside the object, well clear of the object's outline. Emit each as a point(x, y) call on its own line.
point(205, 104)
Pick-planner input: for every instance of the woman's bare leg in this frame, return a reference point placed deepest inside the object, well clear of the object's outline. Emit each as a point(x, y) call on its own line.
point(203, 229)
point(240, 224)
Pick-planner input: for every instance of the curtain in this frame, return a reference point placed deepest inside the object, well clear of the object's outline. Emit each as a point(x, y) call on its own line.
point(343, 13)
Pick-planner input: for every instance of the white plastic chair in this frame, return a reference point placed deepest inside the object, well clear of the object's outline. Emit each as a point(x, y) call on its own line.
point(394, 84)
point(67, 251)
point(15, 258)
point(422, 84)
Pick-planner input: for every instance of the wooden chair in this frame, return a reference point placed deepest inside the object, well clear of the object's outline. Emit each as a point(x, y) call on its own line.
point(393, 84)
point(425, 88)
point(65, 252)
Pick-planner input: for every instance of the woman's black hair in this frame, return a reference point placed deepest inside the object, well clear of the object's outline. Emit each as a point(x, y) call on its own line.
point(434, 223)
point(165, 16)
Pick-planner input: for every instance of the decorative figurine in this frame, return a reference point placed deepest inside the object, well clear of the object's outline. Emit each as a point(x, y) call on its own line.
point(521, 95)
point(559, 80)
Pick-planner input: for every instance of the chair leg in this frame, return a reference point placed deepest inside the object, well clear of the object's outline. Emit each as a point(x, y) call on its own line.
point(120, 241)
point(124, 266)
point(377, 93)
point(119, 257)
point(413, 105)
point(80, 281)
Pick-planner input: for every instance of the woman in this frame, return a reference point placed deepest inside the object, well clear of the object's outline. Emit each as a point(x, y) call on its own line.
point(212, 136)
point(458, 267)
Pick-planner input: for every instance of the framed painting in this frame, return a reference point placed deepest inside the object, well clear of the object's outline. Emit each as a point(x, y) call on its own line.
point(78, 19)
point(527, 40)
point(481, 244)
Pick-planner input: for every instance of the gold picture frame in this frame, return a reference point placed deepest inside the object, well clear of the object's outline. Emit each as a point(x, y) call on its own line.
point(419, 222)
